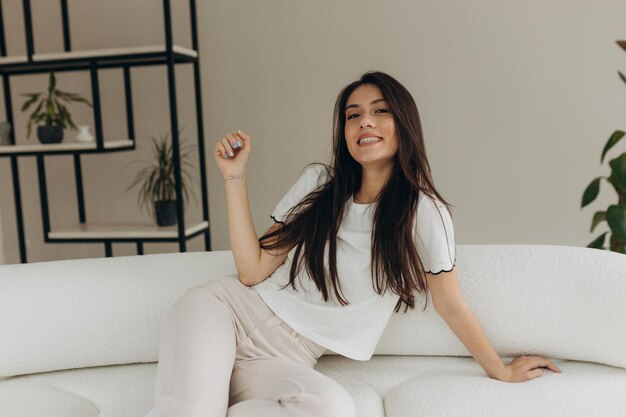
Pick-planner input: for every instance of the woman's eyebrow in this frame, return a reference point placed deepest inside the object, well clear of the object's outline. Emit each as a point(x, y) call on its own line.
point(356, 105)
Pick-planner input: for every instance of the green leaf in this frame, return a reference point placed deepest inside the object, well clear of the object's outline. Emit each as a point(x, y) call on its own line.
point(30, 101)
point(37, 110)
point(71, 97)
point(616, 218)
point(591, 192)
point(598, 243)
point(618, 174)
point(66, 118)
point(50, 109)
point(622, 44)
point(622, 76)
point(615, 137)
point(598, 217)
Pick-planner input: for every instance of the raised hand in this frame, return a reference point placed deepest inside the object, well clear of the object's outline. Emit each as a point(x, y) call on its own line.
point(232, 153)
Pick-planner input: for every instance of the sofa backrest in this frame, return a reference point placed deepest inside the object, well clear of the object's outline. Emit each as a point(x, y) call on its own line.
point(556, 301)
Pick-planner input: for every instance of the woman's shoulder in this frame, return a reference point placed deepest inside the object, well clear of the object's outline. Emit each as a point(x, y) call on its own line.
point(316, 172)
point(429, 208)
point(429, 201)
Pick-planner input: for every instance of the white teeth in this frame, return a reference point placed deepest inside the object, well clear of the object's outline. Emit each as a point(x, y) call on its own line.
point(371, 139)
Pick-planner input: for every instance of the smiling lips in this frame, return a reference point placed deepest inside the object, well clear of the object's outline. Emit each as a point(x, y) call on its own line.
point(370, 140)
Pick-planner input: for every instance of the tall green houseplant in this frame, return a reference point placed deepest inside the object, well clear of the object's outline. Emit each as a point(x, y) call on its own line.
point(615, 214)
point(157, 191)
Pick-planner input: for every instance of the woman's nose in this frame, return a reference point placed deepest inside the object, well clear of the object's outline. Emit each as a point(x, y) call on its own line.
point(366, 122)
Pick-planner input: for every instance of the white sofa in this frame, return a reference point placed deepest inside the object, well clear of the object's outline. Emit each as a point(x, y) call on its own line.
point(79, 338)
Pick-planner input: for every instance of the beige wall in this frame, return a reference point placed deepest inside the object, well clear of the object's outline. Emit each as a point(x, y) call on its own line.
point(517, 100)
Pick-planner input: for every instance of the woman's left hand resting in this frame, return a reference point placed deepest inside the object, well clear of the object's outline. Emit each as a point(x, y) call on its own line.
point(523, 368)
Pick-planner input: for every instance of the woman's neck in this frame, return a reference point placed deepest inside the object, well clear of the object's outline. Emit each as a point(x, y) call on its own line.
point(373, 179)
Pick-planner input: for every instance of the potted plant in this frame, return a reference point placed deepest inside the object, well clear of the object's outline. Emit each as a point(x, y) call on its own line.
point(615, 214)
point(157, 191)
point(51, 111)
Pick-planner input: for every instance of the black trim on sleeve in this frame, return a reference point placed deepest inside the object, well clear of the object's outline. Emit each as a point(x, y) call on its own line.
point(277, 221)
point(443, 270)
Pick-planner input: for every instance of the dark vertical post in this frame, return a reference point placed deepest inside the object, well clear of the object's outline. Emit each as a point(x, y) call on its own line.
point(108, 248)
point(139, 247)
point(174, 124)
point(17, 197)
point(194, 26)
point(8, 109)
point(28, 25)
point(130, 121)
point(78, 171)
point(3, 45)
point(80, 195)
point(43, 196)
point(95, 96)
point(15, 173)
point(67, 46)
point(200, 124)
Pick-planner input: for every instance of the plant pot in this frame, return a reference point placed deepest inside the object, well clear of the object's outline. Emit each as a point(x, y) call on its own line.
point(50, 133)
point(165, 212)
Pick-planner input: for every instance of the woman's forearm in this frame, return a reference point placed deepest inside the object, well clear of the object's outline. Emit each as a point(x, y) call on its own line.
point(466, 327)
point(244, 241)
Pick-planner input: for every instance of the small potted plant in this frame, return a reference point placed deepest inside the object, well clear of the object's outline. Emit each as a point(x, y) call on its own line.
point(157, 183)
point(51, 111)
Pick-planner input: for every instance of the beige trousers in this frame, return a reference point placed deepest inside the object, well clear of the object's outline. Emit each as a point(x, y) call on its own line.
point(223, 352)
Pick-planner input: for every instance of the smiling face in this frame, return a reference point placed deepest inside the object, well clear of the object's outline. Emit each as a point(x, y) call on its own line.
point(369, 115)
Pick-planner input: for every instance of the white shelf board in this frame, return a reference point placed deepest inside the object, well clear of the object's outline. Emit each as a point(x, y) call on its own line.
point(95, 53)
point(17, 59)
point(124, 231)
point(63, 146)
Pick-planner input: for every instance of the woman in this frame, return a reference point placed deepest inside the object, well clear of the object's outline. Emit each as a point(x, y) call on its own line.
point(370, 230)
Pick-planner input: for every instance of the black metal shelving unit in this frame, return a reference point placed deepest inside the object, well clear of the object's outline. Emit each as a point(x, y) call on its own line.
point(92, 61)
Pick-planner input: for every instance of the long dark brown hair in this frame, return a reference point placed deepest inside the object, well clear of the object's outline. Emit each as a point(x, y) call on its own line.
point(315, 220)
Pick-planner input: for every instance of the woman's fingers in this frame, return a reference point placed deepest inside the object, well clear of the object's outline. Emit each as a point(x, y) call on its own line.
point(524, 368)
point(533, 363)
point(230, 144)
point(243, 136)
point(541, 361)
point(228, 148)
point(219, 149)
point(243, 140)
point(226, 143)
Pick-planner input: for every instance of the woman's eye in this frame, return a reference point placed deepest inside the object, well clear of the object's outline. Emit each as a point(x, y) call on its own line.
point(356, 114)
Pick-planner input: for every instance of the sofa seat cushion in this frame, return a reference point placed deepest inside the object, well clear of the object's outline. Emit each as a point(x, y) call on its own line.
point(437, 386)
point(105, 391)
point(392, 386)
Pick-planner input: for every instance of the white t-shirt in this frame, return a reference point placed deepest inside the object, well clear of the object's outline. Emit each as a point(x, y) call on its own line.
point(352, 330)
